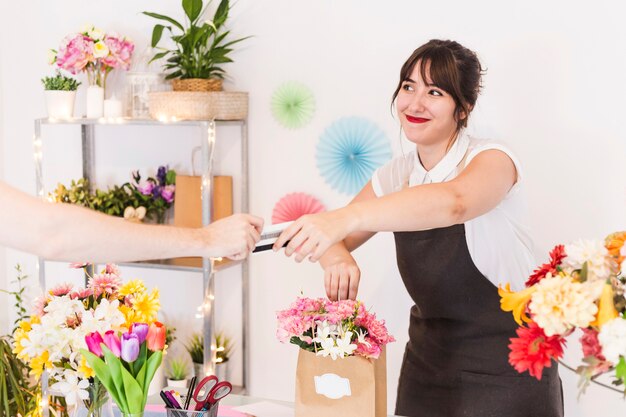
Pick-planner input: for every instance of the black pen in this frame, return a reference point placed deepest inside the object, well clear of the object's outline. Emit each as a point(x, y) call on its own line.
point(166, 400)
point(192, 385)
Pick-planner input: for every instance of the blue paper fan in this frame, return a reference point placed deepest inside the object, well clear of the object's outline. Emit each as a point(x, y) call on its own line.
point(349, 151)
point(293, 105)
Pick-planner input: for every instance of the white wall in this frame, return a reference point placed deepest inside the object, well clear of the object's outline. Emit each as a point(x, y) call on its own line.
point(553, 90)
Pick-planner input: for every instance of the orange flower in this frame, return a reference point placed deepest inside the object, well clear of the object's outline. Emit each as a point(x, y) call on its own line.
point(614, 243)
point(515, 302)
point(606, 307)
point(156, 336)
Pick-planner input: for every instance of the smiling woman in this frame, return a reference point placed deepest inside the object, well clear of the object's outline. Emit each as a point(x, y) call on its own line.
point(457, 207)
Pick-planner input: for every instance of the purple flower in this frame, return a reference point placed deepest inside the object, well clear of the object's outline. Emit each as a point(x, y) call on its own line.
point(161, 174)
point(130, 347)
point(93, 341)
point(168, 193)
point(156, 191)
point(147, 188)
point(141, 330)
point(112, 341)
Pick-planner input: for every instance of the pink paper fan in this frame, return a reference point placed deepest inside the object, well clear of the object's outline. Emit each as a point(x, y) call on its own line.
point(294, 205)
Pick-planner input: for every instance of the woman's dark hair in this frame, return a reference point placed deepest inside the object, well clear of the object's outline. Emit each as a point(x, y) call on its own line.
point(453, 68)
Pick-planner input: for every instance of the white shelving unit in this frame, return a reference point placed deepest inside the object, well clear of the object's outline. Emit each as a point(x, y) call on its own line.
point(207, 132)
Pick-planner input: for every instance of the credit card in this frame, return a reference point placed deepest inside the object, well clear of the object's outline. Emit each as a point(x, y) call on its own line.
point(269, 236)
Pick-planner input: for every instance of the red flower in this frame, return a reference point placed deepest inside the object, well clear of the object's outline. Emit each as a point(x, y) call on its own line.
point(591, 344)
point(556, 257)
point(533, 350)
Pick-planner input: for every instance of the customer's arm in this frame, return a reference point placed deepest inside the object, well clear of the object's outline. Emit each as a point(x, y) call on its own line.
point(72, 233)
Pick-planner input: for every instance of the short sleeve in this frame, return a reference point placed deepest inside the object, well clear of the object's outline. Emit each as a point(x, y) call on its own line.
point(498, 146)
point(393, 176)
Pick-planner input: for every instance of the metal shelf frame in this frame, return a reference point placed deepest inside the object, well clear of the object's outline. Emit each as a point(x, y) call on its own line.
point(208, 137)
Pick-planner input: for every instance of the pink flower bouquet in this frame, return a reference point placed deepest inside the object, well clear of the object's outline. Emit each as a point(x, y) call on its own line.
point(582, 286)
point(95, 52)
point(333, 328)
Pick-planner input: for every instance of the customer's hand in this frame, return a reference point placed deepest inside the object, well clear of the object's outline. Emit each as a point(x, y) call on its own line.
point(235, 236)
point(341, 276)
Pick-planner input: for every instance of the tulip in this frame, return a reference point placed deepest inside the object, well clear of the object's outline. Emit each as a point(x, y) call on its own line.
point(141, 330)
point(112, 341)
point(94, 340)
point(130, 347)
point(156, 336)
point(516, 302)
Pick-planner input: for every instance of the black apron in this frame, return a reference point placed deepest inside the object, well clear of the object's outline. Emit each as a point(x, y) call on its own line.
point(456, 360)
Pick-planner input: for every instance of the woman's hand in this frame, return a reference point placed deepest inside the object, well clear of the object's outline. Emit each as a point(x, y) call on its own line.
point(341, 277)
point(234, 236)
point(313, 234)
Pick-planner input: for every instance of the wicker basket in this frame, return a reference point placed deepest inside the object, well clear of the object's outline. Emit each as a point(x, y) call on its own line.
point(197, 84)
point(190, 105)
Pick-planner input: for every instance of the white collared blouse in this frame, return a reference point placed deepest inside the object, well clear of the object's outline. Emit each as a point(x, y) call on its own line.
point(499, 241)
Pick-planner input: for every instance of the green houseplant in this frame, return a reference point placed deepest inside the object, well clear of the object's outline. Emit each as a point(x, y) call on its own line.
point(200, 46)
point(195, 348)
point(177, 373)
point(60, 93)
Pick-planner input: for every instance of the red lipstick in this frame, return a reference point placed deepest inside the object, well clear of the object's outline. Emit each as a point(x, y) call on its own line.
point(416, 119)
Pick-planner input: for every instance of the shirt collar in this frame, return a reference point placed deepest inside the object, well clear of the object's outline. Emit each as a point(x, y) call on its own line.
point(445, 167)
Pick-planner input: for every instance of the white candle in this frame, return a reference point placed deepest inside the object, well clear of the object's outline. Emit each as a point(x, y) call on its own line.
point(112, 107)
point(95, 97)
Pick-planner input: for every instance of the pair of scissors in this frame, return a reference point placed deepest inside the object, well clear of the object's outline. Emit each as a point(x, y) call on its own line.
point(209, 391)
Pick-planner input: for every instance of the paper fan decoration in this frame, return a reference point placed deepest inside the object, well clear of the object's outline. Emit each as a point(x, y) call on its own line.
point(293, 105)
point(294, 205)
point(349, 151)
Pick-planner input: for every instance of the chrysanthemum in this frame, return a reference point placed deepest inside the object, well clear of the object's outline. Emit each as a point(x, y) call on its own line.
point(145, 307)
point(556, 257)
point(532, 350)
point(61, 289)
point(105, 284)
point(591, 252)
point(612, 338)
point(132, 287)
point(559, 303)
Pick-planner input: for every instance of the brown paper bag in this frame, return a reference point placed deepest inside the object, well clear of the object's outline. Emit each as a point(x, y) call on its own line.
point(348, 387)
point(188, 206)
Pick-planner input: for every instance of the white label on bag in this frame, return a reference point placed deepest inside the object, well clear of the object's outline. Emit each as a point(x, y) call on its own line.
point(332, 386)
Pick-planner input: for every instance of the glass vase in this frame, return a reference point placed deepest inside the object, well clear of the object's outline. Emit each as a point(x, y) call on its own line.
point(96, 79)
point(98, 404)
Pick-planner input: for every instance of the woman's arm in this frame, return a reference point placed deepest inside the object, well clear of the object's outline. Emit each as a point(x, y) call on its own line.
point(478, 189)
point(72, 233)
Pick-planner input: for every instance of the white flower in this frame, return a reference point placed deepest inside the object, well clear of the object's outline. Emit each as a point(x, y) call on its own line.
point(360, 335)
point(612, 338)
point(95, 34)
point(86, 28)
point(591, 251)
point(110, 313)
point(324, 331)
point(73, 389)
point(100, 50)
point(559, 303)
point(345, 347)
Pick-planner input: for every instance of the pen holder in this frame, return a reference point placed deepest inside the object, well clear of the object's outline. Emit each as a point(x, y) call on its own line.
point(174, 412)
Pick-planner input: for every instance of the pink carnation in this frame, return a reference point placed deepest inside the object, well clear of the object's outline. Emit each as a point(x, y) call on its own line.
point(61, 289)
point(75, 53)
point(120, 52)
point(590, 344)
point(369, 349)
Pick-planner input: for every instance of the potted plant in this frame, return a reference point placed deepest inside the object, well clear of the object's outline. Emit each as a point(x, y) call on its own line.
point(177, 373)
point(60, 93)
point(195, 347)
point(201, 47)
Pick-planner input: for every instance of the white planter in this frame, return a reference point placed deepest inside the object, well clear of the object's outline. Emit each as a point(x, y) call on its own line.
point(222, 371)
point(95, 102)
point(176, 383)
point(60, 104)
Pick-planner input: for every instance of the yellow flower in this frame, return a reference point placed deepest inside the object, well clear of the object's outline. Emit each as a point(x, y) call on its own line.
point(132, 287)
point(85, 369)
point(606, 307)
point(516, 302)
point(39, 364)
point(146, 306)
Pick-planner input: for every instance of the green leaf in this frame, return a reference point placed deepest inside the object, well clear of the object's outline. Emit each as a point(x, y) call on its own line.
point(135, 397)
point(152, 364)
point(192, 9)
point(156, 34)
point(584, 272)
point(167, 19)
point(116, 368)
point(103, 372)
point(620, 369)
point(141, 359)
point(221, 14)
